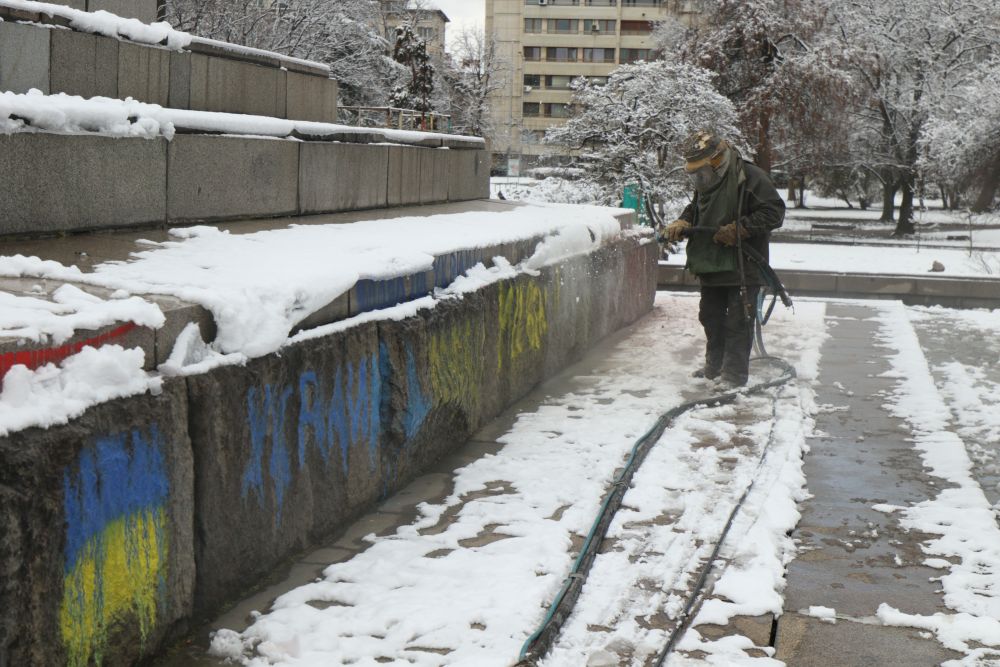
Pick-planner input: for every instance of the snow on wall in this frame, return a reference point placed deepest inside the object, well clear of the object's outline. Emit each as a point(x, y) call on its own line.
point(72, 114)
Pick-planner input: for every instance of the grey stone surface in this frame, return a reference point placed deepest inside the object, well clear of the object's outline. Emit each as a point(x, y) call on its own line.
point(24, 57)
point(144, 10)
point(144, 73)
point(220, 84)
point(470, 176)
point(435, 166)
point(404, 180)
point(52, 183)
point(83, 64)
point(851, 557)
point(804, 641)
point(278, 465)
point(336, 310)
point(229, 177)
point(342, 177)
point(873, 284)
point(178, 315)
point(96, 491)
point(311, 98)
point(180, 81)
point(75, 4)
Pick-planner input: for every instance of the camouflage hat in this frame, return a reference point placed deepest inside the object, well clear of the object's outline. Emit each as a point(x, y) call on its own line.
point(700, 148)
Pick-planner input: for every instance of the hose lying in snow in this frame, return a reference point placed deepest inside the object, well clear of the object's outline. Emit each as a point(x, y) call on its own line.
point(541, 640)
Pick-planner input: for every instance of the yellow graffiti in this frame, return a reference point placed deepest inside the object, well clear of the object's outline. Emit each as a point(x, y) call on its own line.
point(456, 361)
point(116, 578)
point(523, 322)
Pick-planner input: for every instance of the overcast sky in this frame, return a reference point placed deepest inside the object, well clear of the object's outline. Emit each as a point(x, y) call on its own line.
point(463, 13)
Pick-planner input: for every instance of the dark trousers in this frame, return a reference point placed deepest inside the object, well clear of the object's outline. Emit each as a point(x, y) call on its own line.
point(728, 331)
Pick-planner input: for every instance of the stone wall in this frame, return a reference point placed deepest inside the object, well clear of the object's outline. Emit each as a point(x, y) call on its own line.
point(206, 78)
point(236, 470)
point(117, 183)
point(96, 549)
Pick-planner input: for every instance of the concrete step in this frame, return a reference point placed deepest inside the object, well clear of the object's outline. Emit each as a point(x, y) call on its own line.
point(206, 75)
point(155, 343)
point(912, 290)
point(58, 183)
point(89, 250)
point(144, 10)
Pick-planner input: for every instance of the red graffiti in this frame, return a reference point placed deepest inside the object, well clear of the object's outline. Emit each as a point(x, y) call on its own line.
point(53, 355)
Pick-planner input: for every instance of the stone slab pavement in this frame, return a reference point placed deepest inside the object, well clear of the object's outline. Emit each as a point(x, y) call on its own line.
point(851, 557)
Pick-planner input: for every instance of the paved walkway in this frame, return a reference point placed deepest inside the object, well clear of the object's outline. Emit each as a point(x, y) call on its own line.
point(851, 557)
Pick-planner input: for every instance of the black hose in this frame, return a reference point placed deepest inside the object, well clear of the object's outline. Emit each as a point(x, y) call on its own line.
point(540, 641)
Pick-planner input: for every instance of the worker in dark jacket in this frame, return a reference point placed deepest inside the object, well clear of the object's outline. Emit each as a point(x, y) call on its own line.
point(732, 197)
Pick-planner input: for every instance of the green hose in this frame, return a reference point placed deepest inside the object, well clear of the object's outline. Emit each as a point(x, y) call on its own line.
point(541, 640)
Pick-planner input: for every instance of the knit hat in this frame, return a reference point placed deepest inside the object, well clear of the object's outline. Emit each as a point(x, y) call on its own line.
point(700, 148)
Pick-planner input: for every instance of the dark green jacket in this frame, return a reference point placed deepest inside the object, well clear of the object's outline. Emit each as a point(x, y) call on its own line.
point(763, 210)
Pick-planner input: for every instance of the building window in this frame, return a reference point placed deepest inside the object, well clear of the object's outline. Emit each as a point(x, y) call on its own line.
point(599, 55)
point(599, 26)
point(558, 81)
point(555, 110)
point(533, 80)
point(602, 3)
point(637, 27)
point(533, 53)
point(533, 25)
point(564, 26)
point(427, 34)
point(560, 54)
point(635, 55)
point(642, 3)
point(530, 109)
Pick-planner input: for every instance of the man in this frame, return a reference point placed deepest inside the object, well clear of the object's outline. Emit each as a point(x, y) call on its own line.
point(734, 203)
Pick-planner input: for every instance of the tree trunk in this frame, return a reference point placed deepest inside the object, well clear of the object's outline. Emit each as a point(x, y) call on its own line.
point(792, 194)
point(905, 224)
point(888, 202)
point(991, 181)
point(764, 156)
point(802, 192)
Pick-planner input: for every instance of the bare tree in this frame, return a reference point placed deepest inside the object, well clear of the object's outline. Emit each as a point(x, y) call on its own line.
point(341, 33)
point(475, 71)
point(909, 55)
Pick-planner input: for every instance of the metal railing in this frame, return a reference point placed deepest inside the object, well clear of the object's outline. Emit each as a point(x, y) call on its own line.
point(394, 118)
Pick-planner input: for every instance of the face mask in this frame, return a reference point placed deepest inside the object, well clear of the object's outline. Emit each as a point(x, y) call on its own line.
point(705, 178)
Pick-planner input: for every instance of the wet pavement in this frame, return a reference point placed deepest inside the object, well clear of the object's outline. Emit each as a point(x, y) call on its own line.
point(853, 558)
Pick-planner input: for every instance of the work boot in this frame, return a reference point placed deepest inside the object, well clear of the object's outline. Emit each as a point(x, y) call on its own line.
point(706, 373)
point(732, 382)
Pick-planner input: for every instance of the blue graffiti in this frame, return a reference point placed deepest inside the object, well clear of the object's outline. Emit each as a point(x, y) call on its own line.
point(335, 413)
point(418, 406)
point(113, 480)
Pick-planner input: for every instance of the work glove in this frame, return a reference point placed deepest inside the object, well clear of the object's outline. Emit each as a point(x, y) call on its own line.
point(727, 234)
point(676, 229)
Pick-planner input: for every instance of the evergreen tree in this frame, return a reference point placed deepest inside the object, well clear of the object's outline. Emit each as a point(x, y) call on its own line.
point(410, 51)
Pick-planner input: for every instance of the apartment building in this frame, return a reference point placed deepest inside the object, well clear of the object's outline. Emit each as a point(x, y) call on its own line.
point(549, 43)
point(429, 20)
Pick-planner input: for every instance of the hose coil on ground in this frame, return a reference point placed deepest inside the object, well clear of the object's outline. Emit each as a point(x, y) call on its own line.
point(541, 640)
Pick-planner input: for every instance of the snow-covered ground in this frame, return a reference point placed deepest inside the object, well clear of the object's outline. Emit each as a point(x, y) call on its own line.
point(424, 597)
point(428, 595)
point(875, 260)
